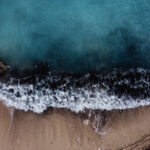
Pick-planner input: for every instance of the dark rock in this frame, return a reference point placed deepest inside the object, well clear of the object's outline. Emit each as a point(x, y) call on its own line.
point(3, 68)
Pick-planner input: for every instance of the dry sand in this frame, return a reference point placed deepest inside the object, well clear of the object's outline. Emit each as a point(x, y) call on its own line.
point(60, 129)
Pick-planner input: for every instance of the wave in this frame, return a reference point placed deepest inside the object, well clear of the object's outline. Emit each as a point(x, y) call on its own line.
point(104, 91)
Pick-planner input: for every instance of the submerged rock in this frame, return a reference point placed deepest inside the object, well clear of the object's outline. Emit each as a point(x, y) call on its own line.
point(3, 68)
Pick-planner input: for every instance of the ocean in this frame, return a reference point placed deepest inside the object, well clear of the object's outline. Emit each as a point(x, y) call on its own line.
point(78, 55)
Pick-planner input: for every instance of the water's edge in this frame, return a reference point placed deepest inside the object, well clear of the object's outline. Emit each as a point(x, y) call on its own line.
point(105, 91)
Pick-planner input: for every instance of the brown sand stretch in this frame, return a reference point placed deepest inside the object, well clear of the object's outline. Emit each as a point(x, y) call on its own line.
point(60, 129)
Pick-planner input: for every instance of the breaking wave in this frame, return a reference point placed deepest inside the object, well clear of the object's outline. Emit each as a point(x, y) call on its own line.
point(104, 91)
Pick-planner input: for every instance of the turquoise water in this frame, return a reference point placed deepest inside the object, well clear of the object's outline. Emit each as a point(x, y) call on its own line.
point(75, 36)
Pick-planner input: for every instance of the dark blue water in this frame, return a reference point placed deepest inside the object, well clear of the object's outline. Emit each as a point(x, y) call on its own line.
point(75, 36)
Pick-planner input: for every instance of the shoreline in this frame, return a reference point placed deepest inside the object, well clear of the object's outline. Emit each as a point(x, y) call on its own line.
point(62, 129)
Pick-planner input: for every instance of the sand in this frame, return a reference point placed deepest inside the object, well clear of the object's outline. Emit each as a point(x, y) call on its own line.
point(60, 129)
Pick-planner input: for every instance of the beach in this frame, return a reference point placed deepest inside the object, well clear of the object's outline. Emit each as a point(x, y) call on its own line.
point(62, 129)
point(75, 75)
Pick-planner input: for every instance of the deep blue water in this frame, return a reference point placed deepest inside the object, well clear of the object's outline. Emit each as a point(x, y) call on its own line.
point(75, 36)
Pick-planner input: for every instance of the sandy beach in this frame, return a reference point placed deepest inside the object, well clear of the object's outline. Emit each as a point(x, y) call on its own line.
point(60, 129)
point(74, 75)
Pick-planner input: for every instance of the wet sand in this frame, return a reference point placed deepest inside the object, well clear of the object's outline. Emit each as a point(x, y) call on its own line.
point(60, 129)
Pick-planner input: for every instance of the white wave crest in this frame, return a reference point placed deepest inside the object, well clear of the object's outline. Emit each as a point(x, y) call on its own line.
point(26, 97)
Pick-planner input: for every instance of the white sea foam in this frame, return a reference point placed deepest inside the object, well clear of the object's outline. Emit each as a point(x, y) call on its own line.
point(75, 99)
